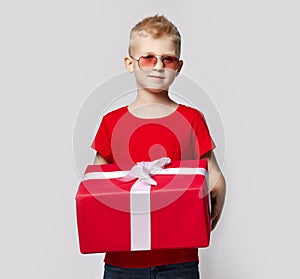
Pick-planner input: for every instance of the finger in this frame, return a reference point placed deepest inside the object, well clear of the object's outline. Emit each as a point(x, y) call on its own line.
point(214, 213)
point(214, 222)
point(215, 208)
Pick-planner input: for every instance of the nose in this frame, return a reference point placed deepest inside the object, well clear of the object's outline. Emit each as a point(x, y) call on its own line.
point(159, 65)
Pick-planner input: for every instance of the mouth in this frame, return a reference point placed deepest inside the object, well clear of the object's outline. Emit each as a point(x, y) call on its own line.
point(156, 77)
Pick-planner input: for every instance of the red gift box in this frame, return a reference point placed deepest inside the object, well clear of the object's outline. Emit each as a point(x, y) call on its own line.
point(119, 212)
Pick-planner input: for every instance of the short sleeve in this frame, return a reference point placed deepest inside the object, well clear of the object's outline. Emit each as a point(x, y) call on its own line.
point(204, 141)
point(102, 141)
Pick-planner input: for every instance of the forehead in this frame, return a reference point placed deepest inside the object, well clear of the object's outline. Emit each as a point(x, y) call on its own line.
point(160, 46)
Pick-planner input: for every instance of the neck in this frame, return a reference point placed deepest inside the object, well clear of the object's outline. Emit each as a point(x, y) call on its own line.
point(145, 96)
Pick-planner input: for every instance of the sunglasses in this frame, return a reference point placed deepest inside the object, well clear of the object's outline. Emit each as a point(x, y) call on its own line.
point(150, 60)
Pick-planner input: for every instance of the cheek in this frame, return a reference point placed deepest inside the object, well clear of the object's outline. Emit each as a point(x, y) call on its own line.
point(171, 76)
point(140, 76)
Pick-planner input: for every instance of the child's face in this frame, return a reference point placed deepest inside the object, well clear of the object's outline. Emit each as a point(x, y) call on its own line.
point(159, 76)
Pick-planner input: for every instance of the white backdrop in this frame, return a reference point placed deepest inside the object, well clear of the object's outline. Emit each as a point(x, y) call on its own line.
point(55, 53)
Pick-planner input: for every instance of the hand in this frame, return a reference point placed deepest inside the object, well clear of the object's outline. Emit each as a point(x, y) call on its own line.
point(217, 196)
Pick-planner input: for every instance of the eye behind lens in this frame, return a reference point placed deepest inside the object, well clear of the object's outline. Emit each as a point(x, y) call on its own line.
point(149, 57)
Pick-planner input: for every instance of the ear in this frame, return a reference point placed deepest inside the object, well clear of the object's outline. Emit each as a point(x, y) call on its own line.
point(128, 64)
point(179, 67)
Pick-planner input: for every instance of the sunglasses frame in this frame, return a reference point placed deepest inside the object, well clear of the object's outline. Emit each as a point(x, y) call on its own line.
point(158, 57)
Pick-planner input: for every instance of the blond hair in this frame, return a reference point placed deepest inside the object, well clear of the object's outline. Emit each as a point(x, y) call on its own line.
point(157, 27)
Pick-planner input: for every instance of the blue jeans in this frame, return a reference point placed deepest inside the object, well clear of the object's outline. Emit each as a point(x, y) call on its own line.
point(187, 270)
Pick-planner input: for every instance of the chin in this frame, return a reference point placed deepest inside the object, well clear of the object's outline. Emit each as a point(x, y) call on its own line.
point(156, 90)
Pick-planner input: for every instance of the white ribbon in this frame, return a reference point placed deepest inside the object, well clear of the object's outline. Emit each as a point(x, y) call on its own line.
point(140, 210)
point(140, 218)
point(123, 174)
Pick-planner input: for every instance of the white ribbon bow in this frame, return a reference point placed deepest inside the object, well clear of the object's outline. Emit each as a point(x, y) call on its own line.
point(144, 170)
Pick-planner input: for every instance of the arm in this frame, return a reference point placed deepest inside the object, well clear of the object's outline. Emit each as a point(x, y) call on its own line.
point(99, 160)
point(217, 185)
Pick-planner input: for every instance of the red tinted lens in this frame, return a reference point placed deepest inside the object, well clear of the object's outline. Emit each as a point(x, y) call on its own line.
point(170, 62)
point(147, 61)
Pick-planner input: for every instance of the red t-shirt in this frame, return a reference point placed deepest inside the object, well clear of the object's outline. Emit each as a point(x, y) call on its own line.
point(125, 139)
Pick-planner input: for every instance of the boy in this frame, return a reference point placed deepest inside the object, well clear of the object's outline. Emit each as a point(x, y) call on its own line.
point(150, 131)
